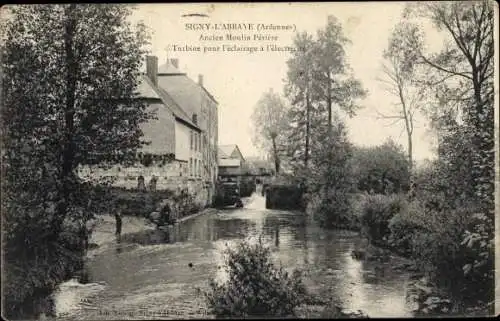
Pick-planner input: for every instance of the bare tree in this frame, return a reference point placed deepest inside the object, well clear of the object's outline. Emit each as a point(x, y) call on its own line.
point(399, 73)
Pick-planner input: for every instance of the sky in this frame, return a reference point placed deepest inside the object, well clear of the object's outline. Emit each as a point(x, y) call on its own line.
point(238, 79)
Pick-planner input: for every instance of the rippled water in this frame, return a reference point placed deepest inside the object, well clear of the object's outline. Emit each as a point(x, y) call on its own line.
point(156, 274)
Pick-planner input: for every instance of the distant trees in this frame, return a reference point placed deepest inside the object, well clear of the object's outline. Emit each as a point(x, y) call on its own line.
point(382, 169)
point(69, 88)
point(269, 120)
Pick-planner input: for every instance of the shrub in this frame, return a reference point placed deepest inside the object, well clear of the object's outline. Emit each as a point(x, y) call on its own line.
point(406, 226)
point(453, 247)
point(377, 211)
point(36, 258)
point(255, 287)
point(458, 255)
point(381, 168)
point(478, 248)
point(334, 209)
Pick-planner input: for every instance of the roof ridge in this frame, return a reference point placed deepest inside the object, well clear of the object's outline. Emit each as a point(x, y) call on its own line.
point(193, 81)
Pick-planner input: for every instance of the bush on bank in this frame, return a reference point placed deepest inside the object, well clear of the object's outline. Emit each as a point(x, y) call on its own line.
point(452, 247)
point(255, 286)
point(381, 169)
point(376, 212)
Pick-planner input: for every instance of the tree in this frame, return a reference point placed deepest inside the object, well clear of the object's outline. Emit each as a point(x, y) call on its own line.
point(335, 83)
point(399, 72)
point(298, 90)
point(70, 74)
point(331, 180)
point(318, 77)
point(462, 78)
point(270, 122)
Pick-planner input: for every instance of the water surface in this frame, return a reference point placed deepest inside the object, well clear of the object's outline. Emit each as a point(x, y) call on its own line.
point(157, 274)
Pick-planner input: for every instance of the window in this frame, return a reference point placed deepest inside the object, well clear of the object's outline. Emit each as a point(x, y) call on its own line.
point(190, 167)
point(191, 139)
point(195, 142)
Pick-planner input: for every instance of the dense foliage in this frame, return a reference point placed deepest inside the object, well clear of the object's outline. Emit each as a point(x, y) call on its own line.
point(331, 179)
point(381, 169)
point(255, 287)
point(69, 82)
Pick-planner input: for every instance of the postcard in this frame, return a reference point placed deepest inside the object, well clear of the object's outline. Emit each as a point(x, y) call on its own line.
point(249, 160)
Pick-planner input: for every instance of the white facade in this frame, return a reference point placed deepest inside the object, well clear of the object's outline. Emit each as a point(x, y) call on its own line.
point(182, 136)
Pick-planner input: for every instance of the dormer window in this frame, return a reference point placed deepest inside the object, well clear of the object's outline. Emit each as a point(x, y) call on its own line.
point(195, 119)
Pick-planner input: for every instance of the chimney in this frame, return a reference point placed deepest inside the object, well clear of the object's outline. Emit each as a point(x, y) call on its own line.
point(200, 80)
point(175, 62)
point(152, 69)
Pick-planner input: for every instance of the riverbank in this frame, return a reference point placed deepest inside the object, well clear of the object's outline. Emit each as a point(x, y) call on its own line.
point(104, 231)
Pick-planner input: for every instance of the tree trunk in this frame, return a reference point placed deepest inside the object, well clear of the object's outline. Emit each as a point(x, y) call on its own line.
point(410, 167)
point(483, 133)
point(69, 114)
point(409, 132)
point(329, 103)
point(308, 120)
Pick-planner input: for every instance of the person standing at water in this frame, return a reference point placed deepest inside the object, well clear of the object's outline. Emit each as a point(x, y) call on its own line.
point(118, 218)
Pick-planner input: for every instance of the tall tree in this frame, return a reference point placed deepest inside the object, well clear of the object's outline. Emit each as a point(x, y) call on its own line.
point(399, 74)
point(462, 76)
point(270, 123)
point(333, 75)
point(70, 74)
point(298, 90)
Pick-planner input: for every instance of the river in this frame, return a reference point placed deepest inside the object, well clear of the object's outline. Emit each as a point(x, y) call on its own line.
point(155, 274)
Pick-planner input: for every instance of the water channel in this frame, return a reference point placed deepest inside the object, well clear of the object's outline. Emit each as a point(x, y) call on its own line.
point(155, 274)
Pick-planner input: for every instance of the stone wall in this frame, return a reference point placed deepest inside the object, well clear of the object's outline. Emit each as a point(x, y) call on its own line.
point(171, 176)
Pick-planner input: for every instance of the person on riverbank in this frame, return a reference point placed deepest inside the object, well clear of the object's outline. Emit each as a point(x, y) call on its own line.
point(118, 218)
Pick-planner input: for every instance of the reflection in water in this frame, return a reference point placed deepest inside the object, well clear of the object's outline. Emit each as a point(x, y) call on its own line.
point(167, 265)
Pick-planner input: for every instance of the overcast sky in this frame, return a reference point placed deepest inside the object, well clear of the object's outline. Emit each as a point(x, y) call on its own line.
point(237, 80)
